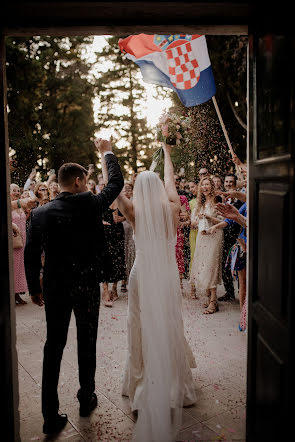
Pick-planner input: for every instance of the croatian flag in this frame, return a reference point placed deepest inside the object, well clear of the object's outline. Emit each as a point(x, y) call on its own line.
point(180, 62)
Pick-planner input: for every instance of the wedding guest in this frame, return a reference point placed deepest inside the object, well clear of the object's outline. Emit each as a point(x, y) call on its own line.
point(179, 187)
point(41, 192)
point(129, 241)
point(31, 183)
point(19, 218)
point(91, 186)
point(231, 233)
point(206, 266)
point(24, 203)
point(53, 189)
point(52, 178)
point(90, 171)
point(203, 172)
point(185, 229)
point(218, 182)
point(193, 188)
point(100, 186)
point(114, 234)
point(184, 221)
point(43, 197)
point(238, 217)
point(26, 194)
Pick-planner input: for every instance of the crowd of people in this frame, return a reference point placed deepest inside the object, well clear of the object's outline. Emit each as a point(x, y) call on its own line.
point(210, 249)
point(172, 229)
point(210, 244)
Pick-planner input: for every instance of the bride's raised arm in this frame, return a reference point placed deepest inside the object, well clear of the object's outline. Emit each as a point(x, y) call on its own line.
point(170, 185)
point(169, 177)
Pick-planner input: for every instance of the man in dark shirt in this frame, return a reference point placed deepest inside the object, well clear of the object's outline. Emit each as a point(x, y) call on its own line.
point(230, 236)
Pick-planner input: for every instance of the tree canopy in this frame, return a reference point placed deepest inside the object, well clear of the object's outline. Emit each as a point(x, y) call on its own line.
point(121, 96)
point(50, 106)
point(50, 103)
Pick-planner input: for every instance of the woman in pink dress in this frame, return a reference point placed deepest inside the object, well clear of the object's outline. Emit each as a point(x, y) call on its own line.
point(19, 218)
point(184, 220)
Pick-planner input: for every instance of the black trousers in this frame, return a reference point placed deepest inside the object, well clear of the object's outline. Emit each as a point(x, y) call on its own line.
point(58, 314)
point(227, 278)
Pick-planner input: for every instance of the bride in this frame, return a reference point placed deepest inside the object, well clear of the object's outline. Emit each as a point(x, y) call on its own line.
point(158, 378)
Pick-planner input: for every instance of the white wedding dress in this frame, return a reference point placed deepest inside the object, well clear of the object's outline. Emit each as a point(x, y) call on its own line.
point(158, 377)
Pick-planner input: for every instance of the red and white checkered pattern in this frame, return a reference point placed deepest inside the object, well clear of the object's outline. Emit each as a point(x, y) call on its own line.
point(184, 70)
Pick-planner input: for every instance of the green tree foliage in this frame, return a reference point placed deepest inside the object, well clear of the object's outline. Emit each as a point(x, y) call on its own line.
point(208, 145)
point(50, 103)
point(121, 97)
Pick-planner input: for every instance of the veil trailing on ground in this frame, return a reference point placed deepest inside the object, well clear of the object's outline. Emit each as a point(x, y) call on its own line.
point(160, 313)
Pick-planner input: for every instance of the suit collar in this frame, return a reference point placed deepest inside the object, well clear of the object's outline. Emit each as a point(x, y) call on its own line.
point(63, 195)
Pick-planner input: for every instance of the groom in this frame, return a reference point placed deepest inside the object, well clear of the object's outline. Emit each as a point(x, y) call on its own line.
point(70, 231)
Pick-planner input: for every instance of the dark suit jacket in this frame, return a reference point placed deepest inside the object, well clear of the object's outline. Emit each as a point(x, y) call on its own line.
point(70, 231)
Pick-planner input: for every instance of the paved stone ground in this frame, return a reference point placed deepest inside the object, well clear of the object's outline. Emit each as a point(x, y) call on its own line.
point(220, 378)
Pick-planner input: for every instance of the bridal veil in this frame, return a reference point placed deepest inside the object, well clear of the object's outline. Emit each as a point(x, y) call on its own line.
point(163, 341)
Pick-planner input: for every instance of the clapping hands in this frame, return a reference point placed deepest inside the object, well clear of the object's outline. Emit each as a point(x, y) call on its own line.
point(227, 211)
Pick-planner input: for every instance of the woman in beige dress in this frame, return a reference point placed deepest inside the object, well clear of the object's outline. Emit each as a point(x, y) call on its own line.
point(206, 266)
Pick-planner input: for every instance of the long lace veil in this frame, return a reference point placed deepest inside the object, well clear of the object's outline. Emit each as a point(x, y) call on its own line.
point(160, 312)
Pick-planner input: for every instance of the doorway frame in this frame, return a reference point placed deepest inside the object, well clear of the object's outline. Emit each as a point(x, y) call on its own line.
point(23, 18)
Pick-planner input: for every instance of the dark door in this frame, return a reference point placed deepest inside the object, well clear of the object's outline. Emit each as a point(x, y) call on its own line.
point(271, 242)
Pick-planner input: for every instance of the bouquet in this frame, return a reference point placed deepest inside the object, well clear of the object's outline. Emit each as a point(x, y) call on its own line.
point(172, 129)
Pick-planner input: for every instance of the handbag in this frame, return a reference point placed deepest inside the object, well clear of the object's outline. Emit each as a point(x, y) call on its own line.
point(17, 241)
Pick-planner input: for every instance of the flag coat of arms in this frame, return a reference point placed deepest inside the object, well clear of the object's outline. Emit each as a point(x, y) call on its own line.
point(179, 62)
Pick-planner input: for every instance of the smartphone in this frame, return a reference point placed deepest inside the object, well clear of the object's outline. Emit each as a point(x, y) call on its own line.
point(34, 169)
point(52, 171)
point(91, 166)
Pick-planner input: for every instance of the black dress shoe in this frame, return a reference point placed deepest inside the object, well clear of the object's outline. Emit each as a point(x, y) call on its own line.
point(86, 407)
point(226, 297)
point(55, 424)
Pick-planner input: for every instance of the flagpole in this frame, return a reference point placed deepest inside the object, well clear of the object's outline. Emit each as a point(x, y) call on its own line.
point(226, 135)
point(222, 125)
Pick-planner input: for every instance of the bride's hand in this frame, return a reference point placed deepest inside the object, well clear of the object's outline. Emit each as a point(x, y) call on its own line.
point(167, 148)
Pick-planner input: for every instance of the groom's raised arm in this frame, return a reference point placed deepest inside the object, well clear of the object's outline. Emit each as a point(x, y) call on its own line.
point(115, 178)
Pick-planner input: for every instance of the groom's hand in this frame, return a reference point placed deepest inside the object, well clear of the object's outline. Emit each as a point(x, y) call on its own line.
point(103, 145)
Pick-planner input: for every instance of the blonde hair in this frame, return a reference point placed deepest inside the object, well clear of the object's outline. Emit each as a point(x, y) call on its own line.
point(36, 188)
point(201, 199)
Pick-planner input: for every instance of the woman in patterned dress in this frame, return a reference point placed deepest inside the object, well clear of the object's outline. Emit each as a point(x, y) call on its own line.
point(19, 219)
